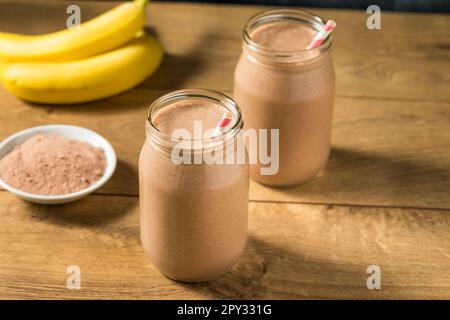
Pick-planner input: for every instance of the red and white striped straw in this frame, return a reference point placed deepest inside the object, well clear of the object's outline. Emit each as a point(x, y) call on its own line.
point(322, 35)
point(223, 123)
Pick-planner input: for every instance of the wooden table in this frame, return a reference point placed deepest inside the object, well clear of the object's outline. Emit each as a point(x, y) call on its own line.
point(384, 198)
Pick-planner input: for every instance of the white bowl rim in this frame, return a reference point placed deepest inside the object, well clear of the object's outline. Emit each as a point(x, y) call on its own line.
point(109, 169)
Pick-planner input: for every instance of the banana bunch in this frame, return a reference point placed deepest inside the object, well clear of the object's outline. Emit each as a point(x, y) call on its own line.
point(100, 58)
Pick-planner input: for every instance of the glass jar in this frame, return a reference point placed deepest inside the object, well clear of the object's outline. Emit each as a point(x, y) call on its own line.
point(292, 91)
point(193, 216)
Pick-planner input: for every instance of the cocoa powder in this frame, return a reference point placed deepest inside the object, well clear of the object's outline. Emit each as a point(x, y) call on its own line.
point(52, 165)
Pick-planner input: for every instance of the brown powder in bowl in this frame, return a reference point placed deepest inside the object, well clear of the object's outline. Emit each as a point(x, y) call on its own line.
point(52, 165)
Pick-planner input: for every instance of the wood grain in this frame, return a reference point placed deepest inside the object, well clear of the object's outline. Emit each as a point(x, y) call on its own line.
point(395, 143)
point(407, 58)
point(294, 251)
point(383, 199)
point(384, 152)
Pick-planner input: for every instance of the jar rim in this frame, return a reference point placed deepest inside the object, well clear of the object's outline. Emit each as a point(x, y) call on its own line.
point(202, 94)
point(284, 14)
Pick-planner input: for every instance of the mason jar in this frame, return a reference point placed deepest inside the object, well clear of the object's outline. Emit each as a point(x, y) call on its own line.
point(193, 211)
point(288, 87)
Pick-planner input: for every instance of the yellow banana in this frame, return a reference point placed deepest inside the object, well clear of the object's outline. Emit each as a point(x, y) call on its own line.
point(4, 36)
point(85, 80)
point(103, 33)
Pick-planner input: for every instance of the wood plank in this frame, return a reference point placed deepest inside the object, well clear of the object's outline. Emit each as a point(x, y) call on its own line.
point(401, 60)
point(390, 148)
point(388, 153)
point(407, 58)
point(392, 153)
point(294, 252)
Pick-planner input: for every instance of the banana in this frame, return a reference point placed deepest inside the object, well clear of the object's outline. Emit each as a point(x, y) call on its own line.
point(15, 37)
point(85, 80)
point(103, 33)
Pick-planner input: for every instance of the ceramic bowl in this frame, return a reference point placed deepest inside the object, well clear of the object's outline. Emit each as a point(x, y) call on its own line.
point(69, 131)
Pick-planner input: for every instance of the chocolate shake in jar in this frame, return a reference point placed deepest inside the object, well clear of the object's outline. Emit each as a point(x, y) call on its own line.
point(193, 185)
point(281, 84)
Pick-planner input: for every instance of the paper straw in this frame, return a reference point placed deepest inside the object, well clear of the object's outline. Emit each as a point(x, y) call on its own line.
point(223, 123)
point(322, 35)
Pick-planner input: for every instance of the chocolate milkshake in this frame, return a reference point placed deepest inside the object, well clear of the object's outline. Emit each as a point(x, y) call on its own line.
point(280, 84)
point(193, 216)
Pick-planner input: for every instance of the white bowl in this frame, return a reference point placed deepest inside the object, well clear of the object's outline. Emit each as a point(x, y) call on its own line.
point(74, 132)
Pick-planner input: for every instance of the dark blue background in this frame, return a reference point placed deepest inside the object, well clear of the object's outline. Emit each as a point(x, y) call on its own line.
point(438, 6)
